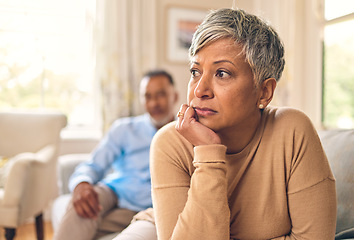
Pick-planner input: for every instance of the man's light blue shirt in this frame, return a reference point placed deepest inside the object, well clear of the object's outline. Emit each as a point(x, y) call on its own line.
point(125, 148)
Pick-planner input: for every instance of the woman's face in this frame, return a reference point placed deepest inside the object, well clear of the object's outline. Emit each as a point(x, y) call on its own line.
point(222, 89)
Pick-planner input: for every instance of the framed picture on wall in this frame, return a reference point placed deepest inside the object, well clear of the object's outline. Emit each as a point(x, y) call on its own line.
point(182, 23)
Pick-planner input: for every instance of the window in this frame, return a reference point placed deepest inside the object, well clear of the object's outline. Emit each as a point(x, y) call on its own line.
point(47, 58)
point(338, 77)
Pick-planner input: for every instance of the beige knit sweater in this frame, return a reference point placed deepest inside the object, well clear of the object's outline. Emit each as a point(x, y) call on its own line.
point(279, 186)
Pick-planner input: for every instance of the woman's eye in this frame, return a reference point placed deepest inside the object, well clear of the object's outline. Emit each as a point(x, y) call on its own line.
point(194, 73)
point(222, 74)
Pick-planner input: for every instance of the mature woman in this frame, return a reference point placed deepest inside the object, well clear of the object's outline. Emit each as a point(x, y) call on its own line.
point(232, 167)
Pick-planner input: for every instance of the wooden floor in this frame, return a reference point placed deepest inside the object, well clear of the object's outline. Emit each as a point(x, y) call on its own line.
point(28, 232)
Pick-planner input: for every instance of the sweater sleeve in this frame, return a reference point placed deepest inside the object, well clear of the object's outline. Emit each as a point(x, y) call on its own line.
point(190, 206)
point(313, 213)
point(310, 186)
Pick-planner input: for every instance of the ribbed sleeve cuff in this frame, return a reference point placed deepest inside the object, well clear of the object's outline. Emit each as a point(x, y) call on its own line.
point(215, 153)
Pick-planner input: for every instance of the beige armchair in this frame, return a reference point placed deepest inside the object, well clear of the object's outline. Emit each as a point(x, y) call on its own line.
point(30, 143)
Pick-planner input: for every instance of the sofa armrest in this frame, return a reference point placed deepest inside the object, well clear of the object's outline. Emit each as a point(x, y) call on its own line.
point(66, 167)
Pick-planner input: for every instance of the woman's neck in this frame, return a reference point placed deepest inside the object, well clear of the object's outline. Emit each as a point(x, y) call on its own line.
point(237, 138)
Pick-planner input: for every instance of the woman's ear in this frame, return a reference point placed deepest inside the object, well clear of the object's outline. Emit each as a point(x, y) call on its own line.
point(266, 92)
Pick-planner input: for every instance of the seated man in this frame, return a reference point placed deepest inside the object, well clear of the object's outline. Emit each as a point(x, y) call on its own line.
point(125, 149)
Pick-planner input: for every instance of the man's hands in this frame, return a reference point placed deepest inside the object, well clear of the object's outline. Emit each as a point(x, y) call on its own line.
point(85, 200)
point(192, 130)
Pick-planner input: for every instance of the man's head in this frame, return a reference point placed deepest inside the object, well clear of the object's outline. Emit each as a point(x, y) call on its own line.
point(158, 96)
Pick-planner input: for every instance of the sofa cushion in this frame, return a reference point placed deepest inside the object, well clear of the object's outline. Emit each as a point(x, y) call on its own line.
point(339, 148)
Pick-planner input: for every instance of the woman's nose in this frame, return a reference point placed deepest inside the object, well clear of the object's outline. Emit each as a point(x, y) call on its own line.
point(204, 88)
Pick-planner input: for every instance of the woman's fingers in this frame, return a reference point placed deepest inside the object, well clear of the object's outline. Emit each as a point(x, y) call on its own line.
point(181, 114)
point(181, 111)
point(189, 115)
point(192, 130)
point(185, 116)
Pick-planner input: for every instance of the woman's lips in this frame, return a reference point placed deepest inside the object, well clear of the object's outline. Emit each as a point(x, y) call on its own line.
point(204, 112)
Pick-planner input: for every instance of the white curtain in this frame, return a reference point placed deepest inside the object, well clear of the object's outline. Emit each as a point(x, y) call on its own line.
point(125, 49)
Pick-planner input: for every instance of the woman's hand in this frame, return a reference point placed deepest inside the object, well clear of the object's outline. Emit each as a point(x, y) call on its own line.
point(192, 130)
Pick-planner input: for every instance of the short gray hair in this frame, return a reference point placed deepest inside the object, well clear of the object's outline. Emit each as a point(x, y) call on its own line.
point(261, 45)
